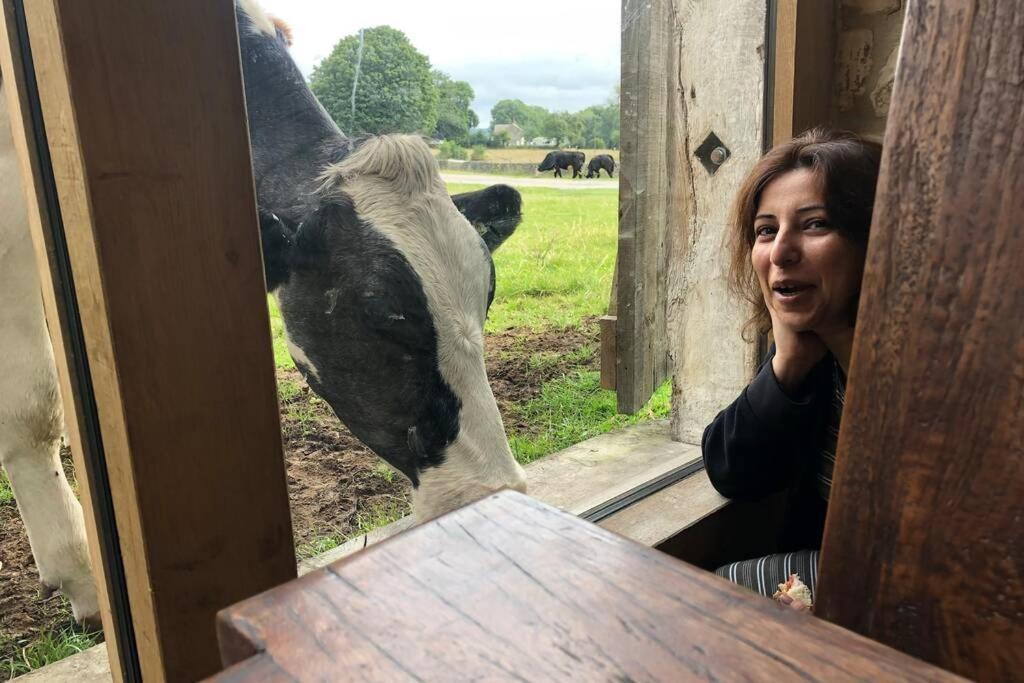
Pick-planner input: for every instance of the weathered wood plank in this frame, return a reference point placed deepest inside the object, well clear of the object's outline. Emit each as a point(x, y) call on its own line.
point(509, 588)
point(721, 91)
point(12, 68)
point(662, 515)
point(804, 58)
point(641, 342)
point(144, 109)
point(608, 352)
point(925, 517)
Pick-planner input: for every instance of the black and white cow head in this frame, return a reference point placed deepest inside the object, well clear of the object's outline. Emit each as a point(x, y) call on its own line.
point(382, 283)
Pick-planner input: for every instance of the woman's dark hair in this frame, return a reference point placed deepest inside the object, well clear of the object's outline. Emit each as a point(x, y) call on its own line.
point(847, 164)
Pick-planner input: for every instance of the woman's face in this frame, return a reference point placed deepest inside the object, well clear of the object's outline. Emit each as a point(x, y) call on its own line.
point(809, 271)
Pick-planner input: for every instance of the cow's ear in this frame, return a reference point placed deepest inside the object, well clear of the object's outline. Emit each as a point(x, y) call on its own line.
point(495, 212)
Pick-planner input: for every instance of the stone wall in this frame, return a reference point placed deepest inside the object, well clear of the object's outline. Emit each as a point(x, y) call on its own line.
point(867, 47)
point(487, 166)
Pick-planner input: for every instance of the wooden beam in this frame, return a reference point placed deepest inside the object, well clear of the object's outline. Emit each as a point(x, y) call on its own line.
point(924, 546)
point(55, 304)
point(608, 352)
point(804, 41)
point(609, 355)
point(713, 91)
point(641, 340)
point(146, 122)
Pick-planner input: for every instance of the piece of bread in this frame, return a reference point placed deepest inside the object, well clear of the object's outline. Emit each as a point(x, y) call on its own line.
point(794, 593)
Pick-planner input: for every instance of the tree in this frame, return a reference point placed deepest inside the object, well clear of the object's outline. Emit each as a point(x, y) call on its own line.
point(556, 128)
point(500, 140)
point(479, 137)
point(510, 111)
point(529, 117)
point(454, 116)
point(395, 91)
point(581, 129)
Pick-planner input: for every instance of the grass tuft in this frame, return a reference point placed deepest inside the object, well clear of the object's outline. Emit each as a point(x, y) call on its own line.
point(282, 358)
point(575, 408)
point(384, 471)
point(380, 514)
point(317, 546)
point(6, 492)
point(46, 649)
point(376, 515)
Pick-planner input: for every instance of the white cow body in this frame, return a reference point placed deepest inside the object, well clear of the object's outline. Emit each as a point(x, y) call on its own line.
point(31, 416)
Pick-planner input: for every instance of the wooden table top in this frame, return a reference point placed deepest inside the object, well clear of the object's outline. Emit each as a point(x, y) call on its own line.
point(511, 589)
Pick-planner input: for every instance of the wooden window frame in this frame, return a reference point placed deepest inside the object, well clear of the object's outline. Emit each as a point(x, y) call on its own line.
point(191, 443)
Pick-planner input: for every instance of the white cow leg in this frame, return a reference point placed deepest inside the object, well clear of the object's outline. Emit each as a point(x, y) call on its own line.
point(51, 513)
point(31, 416)
point(31, 424)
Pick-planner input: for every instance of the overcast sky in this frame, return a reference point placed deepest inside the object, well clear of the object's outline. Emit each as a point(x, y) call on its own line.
point(560, 54)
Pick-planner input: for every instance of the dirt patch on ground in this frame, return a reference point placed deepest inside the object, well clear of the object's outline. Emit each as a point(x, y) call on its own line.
point(520, 361)
point(335, 483)
point(23, 612)
point(337, 486)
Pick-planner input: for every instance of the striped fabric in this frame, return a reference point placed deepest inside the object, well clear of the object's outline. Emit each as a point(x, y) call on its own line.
point(764, 574)
point(827, 463)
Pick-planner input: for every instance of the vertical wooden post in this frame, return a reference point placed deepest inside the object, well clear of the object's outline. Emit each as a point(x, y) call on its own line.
point(609, 355)
point(641, 343)
point(15, 89)
point(145, 117)
point(804, 43)
point(924, 545)
point(720, 91)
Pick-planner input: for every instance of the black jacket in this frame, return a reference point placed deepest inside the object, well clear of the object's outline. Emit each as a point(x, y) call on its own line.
point(768, 441)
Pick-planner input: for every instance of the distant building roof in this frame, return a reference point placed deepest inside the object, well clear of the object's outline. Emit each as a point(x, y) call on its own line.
point(512, 129)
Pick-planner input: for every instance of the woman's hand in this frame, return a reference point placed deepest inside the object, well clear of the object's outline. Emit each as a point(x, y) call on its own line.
point(796, 354)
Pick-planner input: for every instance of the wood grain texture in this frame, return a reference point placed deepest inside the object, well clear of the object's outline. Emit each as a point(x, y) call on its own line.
point(608, 353)
point(805, 48)
point(146, 119)
point(510, 589)
point(659, 517)
point(924, 545)
point(712, 89)
point(641, 342)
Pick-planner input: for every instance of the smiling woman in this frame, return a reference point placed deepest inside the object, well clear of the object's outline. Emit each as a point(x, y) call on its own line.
point(799, 236)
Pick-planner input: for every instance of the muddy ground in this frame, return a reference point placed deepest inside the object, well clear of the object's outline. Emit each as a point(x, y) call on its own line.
point(336, 485)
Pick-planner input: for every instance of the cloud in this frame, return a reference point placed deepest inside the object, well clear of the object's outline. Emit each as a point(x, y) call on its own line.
point(561, 56)
point(557, 85)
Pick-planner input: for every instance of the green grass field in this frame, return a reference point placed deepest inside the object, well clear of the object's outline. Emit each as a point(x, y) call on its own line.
point(6, 494)
point(557, 267)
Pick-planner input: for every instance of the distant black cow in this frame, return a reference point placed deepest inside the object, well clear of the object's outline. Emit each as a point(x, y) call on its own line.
point(601, 161)
point(559, 161)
